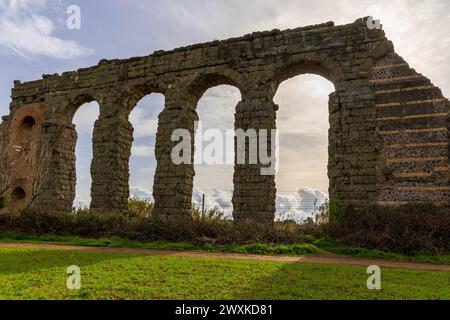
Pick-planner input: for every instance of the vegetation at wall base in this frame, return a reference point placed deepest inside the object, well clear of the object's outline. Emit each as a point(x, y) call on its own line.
point(331, 246)
point(405, 230)
point(209, 228)
point(256, 248)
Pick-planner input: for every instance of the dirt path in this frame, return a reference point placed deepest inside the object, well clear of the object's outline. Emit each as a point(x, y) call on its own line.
point(321, 258)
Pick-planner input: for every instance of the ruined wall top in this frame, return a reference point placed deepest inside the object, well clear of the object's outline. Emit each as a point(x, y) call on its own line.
point(323, 49)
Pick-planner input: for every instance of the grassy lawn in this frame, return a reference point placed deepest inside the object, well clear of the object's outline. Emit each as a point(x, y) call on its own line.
point(417, 257)
point(293, 249)
point(41, 274)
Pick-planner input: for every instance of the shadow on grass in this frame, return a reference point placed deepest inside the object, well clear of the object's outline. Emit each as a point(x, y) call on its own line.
point(23, 260)
point(165, 277)
point(297, 281)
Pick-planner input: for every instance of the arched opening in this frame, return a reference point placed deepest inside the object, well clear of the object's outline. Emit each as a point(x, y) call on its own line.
point(27, 123)
point(84, 120)
point(18, 194)
point(214, 149)
point(303, 123)
point(23, 136)
point(144, 118)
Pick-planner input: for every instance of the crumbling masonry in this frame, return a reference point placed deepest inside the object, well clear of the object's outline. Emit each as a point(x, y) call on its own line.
point(388, 142)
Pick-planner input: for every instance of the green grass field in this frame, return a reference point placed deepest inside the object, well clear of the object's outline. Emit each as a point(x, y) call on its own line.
point(290, 249)
point(257, 248)
point(41, 274)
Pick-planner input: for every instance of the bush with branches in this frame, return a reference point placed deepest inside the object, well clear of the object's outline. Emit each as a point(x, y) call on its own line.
point(405, 229)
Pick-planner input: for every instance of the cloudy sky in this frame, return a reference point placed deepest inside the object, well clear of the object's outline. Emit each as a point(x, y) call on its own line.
point(35, 40)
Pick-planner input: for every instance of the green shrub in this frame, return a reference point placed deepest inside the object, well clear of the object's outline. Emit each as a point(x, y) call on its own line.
point(287, 249)
point(330, 213)
point(142, 208)
point(206, 229)
point(405, 229)
point(213, 215)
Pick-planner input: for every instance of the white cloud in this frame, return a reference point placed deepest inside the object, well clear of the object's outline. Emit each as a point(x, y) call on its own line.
point(303, 103)
point(144, 126)
point(297, 205)
point(419, 29)
point(214, 198)
point(300, 204)
point(81, 202)
point(302, 121)
point(10, 7)
point(143, 151)
point(141, 193)
point(217, 107)
point(29, 34)
point(85, 118)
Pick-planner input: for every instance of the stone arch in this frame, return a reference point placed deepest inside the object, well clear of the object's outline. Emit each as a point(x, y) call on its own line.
point(142, 141)
point(24, 131)
point(18, 194)
point(349, 55)
point(113, 139)
point(19, 197)
point(305, 123)
point(135, 92)
point(213, 79)
point(74, 102)
point(216, 112)
point(71, 139)
point(318, 64)
point(28, 123)
point(198, 84)
point(173, 186)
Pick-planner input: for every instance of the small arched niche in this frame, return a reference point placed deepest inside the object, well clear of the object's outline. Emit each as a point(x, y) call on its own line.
point(24, 132)
point(18, 194)
point(28, 123)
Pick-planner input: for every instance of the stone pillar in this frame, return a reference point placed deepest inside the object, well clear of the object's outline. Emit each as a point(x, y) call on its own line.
point(353, 145)
point(254, 193)
point(112, 140)
point(173, 184)
point(54, 186)
point(334, 144)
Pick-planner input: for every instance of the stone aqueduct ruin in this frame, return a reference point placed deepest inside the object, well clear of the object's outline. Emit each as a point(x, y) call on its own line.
point(388, 141)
